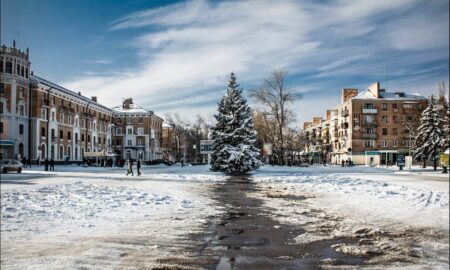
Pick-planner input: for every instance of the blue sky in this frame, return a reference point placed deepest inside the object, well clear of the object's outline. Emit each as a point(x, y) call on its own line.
point(173, 56)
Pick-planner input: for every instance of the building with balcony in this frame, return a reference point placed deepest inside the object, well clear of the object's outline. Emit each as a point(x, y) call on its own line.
point(40, 119)
point(367, 126)
point(137, 132)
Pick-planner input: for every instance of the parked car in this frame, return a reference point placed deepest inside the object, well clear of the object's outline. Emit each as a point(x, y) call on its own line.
point(8, 165)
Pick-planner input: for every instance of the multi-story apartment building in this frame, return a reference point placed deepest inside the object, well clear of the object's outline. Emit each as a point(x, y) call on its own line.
point(137, 132)
point(366, 127)
point(65, 124)
point(14, 101)
point(40, 119)
point(170, 142)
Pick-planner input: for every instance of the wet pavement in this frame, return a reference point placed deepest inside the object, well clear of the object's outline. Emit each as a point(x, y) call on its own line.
point(247, 237)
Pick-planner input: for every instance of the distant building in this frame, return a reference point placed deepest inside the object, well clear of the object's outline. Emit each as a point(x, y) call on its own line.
point(137, 132)
point(170, 142)
point(365, 127)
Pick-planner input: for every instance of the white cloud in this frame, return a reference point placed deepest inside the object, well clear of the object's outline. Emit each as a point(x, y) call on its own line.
point(187, 50)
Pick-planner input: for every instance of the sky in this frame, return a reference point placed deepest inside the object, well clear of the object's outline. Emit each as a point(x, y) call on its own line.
point(176, 56)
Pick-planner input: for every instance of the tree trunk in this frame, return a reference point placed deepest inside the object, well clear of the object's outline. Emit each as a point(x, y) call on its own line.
point(435, 164)
point(424, 163)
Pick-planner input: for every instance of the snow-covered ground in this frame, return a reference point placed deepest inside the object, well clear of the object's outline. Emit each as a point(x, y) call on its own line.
point(79, 217)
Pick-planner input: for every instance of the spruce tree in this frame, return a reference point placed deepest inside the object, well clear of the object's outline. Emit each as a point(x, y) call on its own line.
point(430, 134)
point(233, 150)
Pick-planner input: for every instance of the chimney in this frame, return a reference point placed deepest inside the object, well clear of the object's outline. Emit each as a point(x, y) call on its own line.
point(94, 98)
point(374, 88)
point(14, 43)
point(127, 102)
point(348, 93)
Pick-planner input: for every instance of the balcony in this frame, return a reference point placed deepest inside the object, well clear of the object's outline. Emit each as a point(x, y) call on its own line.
point(344, 113)
point(369, 111)
point(370, 124)
point(344, 125)
point(369, 135)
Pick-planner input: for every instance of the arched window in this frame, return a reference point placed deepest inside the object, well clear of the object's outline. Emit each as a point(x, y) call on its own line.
point(76, 153)
point(61, 152)
point(52, 152)
point(69, 152)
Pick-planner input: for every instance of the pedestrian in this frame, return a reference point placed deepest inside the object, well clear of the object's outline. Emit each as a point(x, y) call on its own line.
point(38, 161)
point(28, 162)
point(24, 161)
point(138, 166)
point(52, 164)
point(343, 163)
point(46, 163)
point(130, 167)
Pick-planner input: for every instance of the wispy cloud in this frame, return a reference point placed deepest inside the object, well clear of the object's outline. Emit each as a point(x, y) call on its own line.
point(186, 50)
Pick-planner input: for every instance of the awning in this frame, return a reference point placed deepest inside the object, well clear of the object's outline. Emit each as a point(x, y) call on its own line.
point(6, 142)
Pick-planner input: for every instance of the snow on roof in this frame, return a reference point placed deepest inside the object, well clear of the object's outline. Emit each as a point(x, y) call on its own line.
point(65, 90)
point(134, 108)
point(166, 125)
point(388, 96)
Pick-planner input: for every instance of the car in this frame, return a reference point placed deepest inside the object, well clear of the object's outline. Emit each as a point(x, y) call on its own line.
point(8, 165)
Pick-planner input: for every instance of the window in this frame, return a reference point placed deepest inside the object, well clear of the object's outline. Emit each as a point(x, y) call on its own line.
point(129, 120)
point(368, 106)
point(118, 131)
point(370, 130)
point(130, 142)
point(21, 91)
point(22, 72)
point(140, 131)
point(21, 110)
point(76, 137)
point(119, 142)
point(384, 119)
point(61, 134)
point(69, 135)
point(43, 132)
point(395, 119)
point(1, 107)
point(1, 127)
point(82, 137)
point(21, 129)
point(83, 123)
point(61, 118)
point(394, 106)
point(384, 143)
point(69, 119)
point(139, 142)
point(53, 116)
point(141, 120)
point(384, 107)
point(8, 67)
point(394, 144)
point(368, 144)
point(129, 131)
point(89, 138)
point(1, 65)
point(18, 69)
point(385, 131)
point(395, 131)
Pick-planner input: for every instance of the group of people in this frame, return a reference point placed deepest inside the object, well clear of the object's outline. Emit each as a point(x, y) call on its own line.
point(130, 167)
point(26, 162)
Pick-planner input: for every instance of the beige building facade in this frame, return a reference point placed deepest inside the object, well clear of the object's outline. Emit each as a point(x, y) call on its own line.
point(365, 127)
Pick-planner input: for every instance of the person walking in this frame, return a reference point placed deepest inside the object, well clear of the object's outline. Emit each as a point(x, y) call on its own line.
point(46, 163)
point(38, 161)
point(52, 165)
point(28, 162)
point(138, 166)
point(130, 167)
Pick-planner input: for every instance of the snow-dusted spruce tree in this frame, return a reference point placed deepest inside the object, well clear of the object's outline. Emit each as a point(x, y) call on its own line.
point(429, 134)
point(233, 150)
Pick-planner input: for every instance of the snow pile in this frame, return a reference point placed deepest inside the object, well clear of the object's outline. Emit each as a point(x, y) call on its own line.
point(79, 204)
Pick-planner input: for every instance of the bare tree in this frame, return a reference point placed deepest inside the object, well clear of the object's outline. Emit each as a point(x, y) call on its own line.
point(275, 97)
